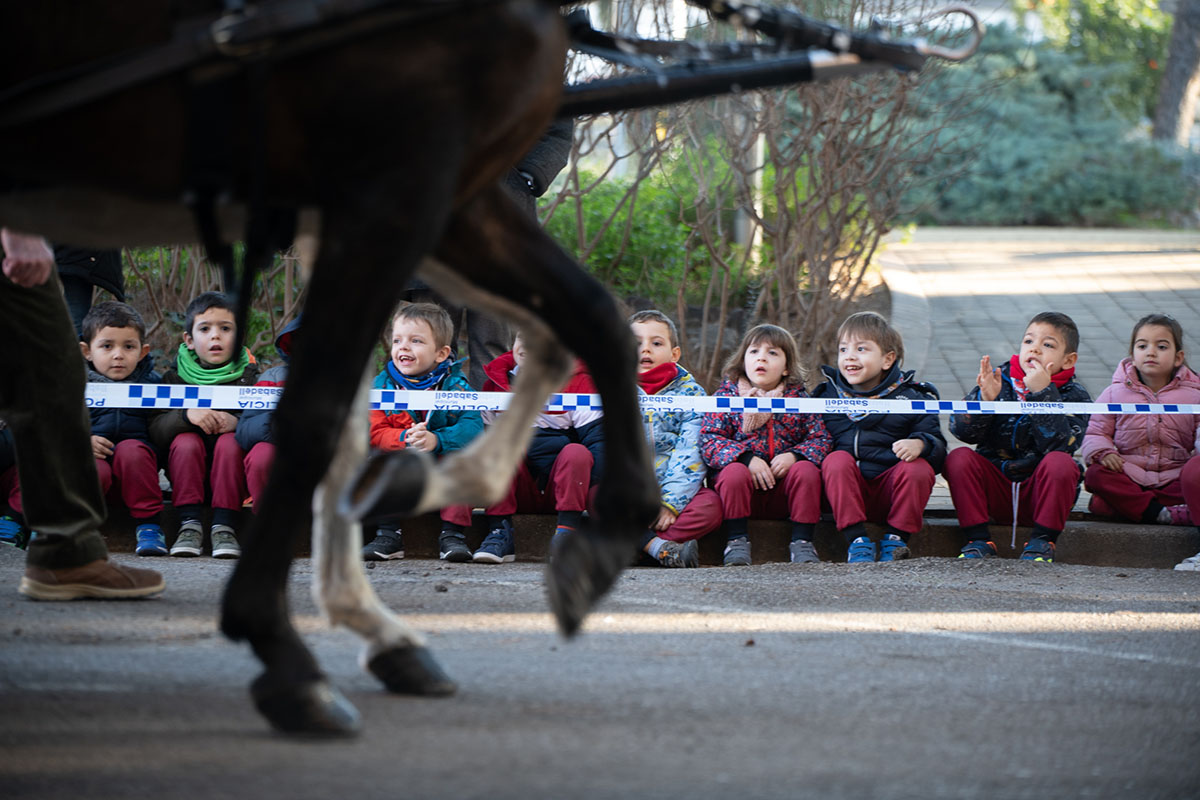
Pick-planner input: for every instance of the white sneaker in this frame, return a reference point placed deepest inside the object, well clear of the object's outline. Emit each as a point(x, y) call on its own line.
point(1191, 564)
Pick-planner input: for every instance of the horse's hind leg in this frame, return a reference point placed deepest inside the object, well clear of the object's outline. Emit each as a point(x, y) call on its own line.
point(395, 653)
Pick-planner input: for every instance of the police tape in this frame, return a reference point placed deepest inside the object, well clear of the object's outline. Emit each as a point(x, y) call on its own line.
point(243, 398)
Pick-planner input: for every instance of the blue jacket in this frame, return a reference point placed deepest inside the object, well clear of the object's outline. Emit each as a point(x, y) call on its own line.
point(119, 424)
point(675, 439)
point(454, 429)
point(255, 427)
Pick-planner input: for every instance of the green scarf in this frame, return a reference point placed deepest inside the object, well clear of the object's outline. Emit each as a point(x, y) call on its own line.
point(191, 370)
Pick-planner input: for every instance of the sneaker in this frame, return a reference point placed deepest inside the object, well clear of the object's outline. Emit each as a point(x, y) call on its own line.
point(190, 539)
point(893, 548)
point(386, 546)
point(737, 552)
point(224, 543)
point(862, 551)
point(100, 579)
point(803, 552)
point(1189, 564)
point(150, 540)
point(452, 546)
point(1038, 549)
point(680, 554)
point(1179, 515)
point(13, 532)
point(978, 549)
point(497, 547)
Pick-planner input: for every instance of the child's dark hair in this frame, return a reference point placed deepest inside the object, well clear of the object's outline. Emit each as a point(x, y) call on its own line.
point(1061, 323)
point(203, 302)
point(874, 328)
point(1163, 320)
point(111, 314)
point(433, 315)
point(774, 336)
point(654, 315)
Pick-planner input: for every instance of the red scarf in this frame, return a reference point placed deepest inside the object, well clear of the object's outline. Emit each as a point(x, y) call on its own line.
point(655, 379)
point(1017, 374)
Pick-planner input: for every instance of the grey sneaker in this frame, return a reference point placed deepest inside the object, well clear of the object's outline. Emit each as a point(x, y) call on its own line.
point(189, 540)
point(224, 543)
point(803, 552)
point(737, 553)
point(680, 554)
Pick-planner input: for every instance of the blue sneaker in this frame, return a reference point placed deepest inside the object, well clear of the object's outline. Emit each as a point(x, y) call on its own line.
point(1038, 549)
point(892, 548)
point(13, 532)
point(862, 551)
point(497, 547)
point(978, 548)
point(150, 540)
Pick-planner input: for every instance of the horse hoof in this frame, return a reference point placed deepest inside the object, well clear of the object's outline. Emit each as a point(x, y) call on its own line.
point(411, 670)
point(581, 569)
point(314, 708)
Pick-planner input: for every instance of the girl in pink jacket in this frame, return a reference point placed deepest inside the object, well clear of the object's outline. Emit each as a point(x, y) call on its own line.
point(1146, 467)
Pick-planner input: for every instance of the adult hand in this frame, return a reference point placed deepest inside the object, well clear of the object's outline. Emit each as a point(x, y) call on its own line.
point(781, 463)
point(989, 380)
point(760, 474)
point(101, 447)
point(28, 259)
point(908, 449)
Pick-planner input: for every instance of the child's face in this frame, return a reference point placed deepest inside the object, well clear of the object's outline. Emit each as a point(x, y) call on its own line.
point(765, 365)
point(1046, 345)
point(1154, 353)
point(862, 362)
point(653, 345)
point(212, 335)
point(518, 350)
point(114, 352)
point(414, 352)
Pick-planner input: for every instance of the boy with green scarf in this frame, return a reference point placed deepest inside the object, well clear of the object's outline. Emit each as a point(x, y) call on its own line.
point(200, 442)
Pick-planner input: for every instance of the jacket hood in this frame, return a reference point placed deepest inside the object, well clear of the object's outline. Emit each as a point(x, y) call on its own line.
point(498, 371)
point(1127, 375)
point(283, 342)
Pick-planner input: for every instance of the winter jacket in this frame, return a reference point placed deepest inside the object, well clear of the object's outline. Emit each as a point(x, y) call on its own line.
point(257, 426)
point(675, 439)
point(870, 437)
point(1016, 443)
point(454, 429)
point(119, 424)
point(501, 372)
point(101, 268)
point(722, 441)
point(166, 425)
point(1153, 446)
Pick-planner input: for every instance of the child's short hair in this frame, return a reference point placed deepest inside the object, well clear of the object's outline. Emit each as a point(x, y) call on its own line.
point(654, 315)
point(1163, 320)
point(433, 315)
point(874, 328)
point(111, 314)
point(1063, 324)
point(203, 302)
point(774, 336)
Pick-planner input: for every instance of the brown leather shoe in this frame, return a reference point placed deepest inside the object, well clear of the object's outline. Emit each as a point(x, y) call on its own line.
point(99, 579)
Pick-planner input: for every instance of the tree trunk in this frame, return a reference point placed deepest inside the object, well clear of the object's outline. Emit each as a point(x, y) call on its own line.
point(1181, 80)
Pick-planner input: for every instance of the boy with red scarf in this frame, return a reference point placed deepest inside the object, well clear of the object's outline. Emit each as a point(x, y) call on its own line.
point(688, 511)
point(1022, 470)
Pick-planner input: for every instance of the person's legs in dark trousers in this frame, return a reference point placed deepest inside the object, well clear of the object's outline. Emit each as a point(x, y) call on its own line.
point(78, 294)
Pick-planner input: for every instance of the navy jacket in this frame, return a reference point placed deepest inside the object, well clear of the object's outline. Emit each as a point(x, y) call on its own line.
point(119, 424)
point(548, 443)
point(256, 426)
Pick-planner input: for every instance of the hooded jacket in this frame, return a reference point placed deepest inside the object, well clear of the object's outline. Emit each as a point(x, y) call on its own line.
point(1154, 446)
point(870, 437)
point(455, 429)
point(722, 441)
point(675, 439)
point(256, 426)
point(119, 424)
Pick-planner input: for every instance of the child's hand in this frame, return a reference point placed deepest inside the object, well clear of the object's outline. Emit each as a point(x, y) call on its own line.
point(1036, 377)
point(760, 474)
point(206, 419)
point(101, 447)
point(226, 422)
point(1112, 461)
point(666, 518)
point(420, 437)
point(989, 380)
point(781, 463)
point(908, 449)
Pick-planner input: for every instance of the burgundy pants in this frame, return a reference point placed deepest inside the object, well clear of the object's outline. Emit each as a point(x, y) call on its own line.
point(897, 496)
point(981, 491)
point(797, 497)
point(133, 472)
point(187, 464)
point(702, 515)
point(566, 488)
point(1119, 495)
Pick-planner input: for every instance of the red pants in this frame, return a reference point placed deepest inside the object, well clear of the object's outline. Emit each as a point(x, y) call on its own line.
point(702, 515)
point(1130, 500)
point(980, 491)
point(187, 465)
point(797, 497)
point(896, 497)
point(566, 488)
point(133, 471)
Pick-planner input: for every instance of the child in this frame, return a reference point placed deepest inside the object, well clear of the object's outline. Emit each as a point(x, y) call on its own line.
point(768, 464)
point(1022, 469)
point(883, 465)
point(200, 442)
point(1145, 467)
point(558, 470)
point(420, 361)
point(688, 511)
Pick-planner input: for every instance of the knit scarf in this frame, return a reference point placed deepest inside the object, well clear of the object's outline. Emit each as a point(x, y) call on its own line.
point(429, 380)
point(880, 391)
point(192, 371)
point(752, 420)
point(1016, 376)
point(655, 379)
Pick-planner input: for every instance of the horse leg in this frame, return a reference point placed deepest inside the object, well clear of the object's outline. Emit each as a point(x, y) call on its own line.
point(395, 652)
